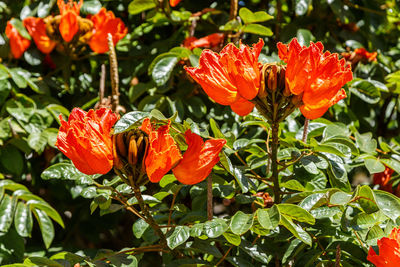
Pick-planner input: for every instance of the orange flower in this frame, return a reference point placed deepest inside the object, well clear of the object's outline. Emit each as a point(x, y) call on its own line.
point(69, 18)
point(208, 41)
point(37, 29)
point(162, 152)
point(231, 77)
point(389, 250)
point(318, 76)
point(86, 140)
point(104, 22)
point(199, 159)
point(383, 179)
point(174, 2)
point(370, 56)
point(18, 43)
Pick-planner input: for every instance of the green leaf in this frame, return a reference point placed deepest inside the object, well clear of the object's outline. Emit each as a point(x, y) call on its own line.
point(304, 37)
point(67, 171)
point(68, 257)
point(302, 7)
point(21, 107)
point(232, 25)
point(296, 230)
point(241, 223)
point(374, 165)
point(18, 77)
point(340, 198)
point(214, 127)
point(249, 17)
point(46, 226)
point(388, 204)
point(215, 228)
point(367, 199)
point(37, 141)
point(129, 121)
point(366, 90)
point(296, 213)
point(257, 29)
point(41, 261)
point(23, 220)
point(7, 209)
point(293, 185)
point(232, 238)
point(91, 7)
point(139, 227)
point(366, 143)
point(269, 218)
point(163, 68)
point(33, 56)
point(20, 28)
point(178, 236)
point(46, 208)
point(138, 6)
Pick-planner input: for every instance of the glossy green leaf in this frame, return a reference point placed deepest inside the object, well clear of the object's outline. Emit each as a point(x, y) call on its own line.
point(215, 228)
point(241, 223)
point(23, 220)
point(178, 236)
point(138, 6)
point(46, 226)
point(296, 213)
point(269, 218)
point(296, 230)
point(249, 17)
point(257, 29)
point(163, 68)
point(302, 7)
point(129, 120)
point(7, 209)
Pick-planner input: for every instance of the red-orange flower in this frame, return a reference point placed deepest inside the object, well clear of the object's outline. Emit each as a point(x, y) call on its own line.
point(383, 179)
point(318, 76)
point(208, 41)
point(69, 18)
point(389, 251)
point(37, 29)
point(231, 77)
point(104, 22)
point(199, 158)
point(174, 2)
point(162, 153)
point(18, 43)
point(86, 139)
point(370, 56)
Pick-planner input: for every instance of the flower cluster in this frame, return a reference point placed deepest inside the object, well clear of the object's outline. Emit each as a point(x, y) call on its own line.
point(389, 250)
point(68, 27)
point(86, 140)
point(316, 75)
point(231, 77)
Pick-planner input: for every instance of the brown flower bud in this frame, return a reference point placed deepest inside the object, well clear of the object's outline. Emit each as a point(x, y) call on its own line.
point(129, 151)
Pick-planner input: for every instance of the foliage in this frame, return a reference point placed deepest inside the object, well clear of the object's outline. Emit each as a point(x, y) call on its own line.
point(330, 207)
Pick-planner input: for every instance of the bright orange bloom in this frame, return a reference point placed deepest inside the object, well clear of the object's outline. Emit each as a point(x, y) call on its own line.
point(37, 29)
point(104, 22)
point(370, 56)
point(69, 18)
point(162, 153)
point(18, 43)
point(208, 41)
point(231, 77)
point(86, 140)
point(199, 158)
point(389, 251)
point(318, 76)
point(383, 179)
point(174, 2)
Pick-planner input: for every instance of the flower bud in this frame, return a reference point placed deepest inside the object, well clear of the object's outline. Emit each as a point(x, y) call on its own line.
point(129, 151)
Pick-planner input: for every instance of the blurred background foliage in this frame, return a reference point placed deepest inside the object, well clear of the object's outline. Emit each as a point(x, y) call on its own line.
point(34, 91)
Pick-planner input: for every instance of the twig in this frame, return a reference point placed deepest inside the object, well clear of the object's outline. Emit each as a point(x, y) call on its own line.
point(209, 198)
point(233, 10)
point(102, 83)
point(305, 130)
point(113, 74)
point(172, 205)
point(225, 255)
point(338, 254)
